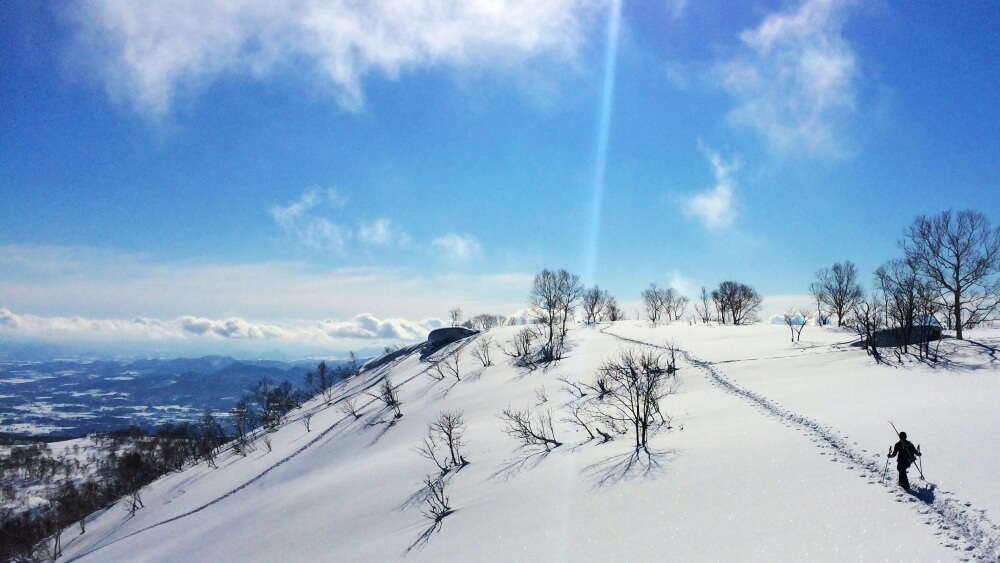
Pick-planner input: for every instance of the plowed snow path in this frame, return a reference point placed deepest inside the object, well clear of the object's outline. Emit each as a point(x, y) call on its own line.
point(960, 526)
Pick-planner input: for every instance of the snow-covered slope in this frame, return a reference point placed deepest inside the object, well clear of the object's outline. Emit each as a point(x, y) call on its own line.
point(775, 453)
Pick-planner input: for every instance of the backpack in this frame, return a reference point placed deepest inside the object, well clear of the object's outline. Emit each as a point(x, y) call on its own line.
point(905, 453)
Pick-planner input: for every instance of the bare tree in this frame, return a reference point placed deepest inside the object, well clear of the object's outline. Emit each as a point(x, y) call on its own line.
point(736, 302)
point(321, 381)
point(612, 312)
point(350, 406)
point(485, 322)
point(959, 253)
point(652, 299)
point(840, 289)
point(867, 320)
point(903, 292)
point(702, 309)
point(456, 316)
point(530, 429)
point(437, 499)
point(481, 351)
point(595, 303)
point(446, 433)
point(541, 395)
point(676, 305)
point(389, 395)
point(639, 382)
point(796, 321)
point(576, 389)
point(449, 426)
point(448, 365)
point(520, 347)
point(818, 292)
point(580, 415)
point(553, 298)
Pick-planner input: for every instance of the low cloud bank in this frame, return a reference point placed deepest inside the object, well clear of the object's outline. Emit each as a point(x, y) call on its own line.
point(327, 332)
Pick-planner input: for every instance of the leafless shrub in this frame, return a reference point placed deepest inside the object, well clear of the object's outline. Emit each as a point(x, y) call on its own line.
point(446, 432)
point(520, 347)
point(575, 388)
point(481, 351)
point(795, 319)
point(321, 381)
point(389, 395)
point(307, 421)
point(429, 448)
point(638, 383)
point(602, 385)
point(267, 441)
point(437, 499)
point(529, 428)
point(540, 394)
point(350, 406)
point(579, 415)
point(671, 348)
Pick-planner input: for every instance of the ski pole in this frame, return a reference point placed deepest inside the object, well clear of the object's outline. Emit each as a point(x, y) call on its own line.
point(886, 470)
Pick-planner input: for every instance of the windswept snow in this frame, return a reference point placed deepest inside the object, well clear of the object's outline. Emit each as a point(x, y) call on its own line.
point(775, 453)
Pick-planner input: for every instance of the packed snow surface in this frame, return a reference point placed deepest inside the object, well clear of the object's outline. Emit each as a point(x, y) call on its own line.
point(775, 451)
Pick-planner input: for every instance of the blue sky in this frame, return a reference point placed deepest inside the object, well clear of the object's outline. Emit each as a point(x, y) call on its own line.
point(336, 175)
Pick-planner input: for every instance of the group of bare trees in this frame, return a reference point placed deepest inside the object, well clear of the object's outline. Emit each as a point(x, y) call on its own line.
point(553, 299)
point(625, 396)
point(837, 288)
point(736, 303)
point(599, 306)
point(123, 463)
point(948, 275)
point(663, 304)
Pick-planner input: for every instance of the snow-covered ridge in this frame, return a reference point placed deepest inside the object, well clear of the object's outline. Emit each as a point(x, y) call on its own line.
point(775, 452)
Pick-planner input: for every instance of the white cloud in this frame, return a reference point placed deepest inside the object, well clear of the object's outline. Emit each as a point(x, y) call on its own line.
point(714, 207)
point(382, 232)
point(457, 247)
point(795, 81)
point(145, 52)
point(329, 332)
point(301, 222)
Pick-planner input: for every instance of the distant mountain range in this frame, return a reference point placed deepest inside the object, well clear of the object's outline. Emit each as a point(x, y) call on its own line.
point(74, 397)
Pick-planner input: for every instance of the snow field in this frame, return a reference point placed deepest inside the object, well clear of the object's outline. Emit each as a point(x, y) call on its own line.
point(738, 483)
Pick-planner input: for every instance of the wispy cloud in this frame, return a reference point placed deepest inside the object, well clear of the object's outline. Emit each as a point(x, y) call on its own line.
point(145, 52)
point(301, 220)
point(96, 283)
point(382, 232)
point(458, 247)
point(795, 80)
point(714, 207)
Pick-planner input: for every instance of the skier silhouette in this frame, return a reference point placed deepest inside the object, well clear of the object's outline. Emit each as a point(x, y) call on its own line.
point(905, 454)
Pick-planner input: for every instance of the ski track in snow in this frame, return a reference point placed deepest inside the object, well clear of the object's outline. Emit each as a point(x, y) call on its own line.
point(967, 530)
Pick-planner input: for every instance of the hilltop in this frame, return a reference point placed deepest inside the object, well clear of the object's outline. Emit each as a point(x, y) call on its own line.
point(770, 451)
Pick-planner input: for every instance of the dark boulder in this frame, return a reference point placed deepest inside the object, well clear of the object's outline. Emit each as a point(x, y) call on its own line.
point(442, 336)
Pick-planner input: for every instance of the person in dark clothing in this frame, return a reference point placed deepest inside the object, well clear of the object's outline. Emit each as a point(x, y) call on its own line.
point(905, 455)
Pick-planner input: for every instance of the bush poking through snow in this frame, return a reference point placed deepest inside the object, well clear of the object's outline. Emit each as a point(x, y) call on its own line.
point(388, 394)
point(529, 428)
point(447, 366)
point(520, 347)
point(481, 351)
point(350, 406)
point(445, 433)
point(437, 499)
point(637, 382)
